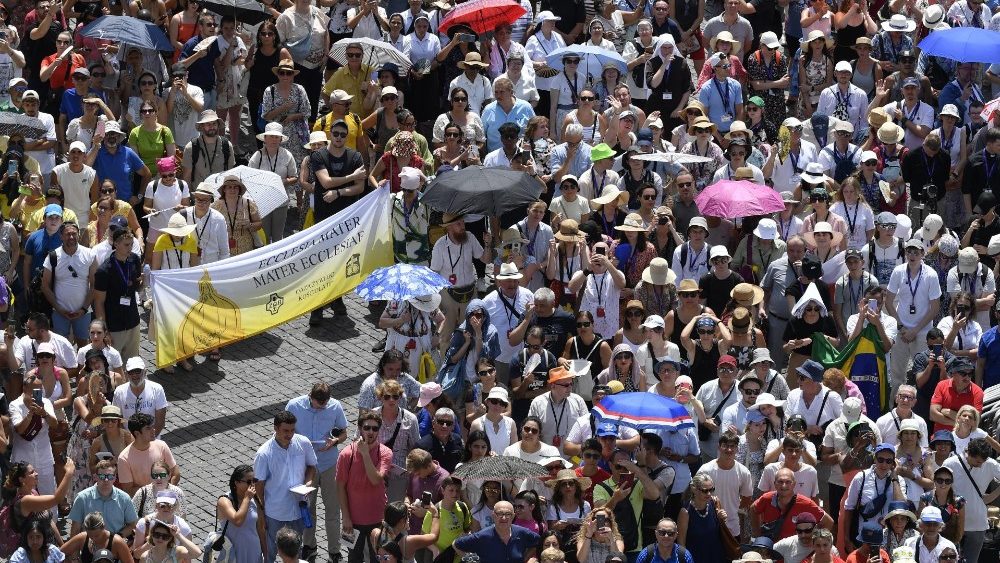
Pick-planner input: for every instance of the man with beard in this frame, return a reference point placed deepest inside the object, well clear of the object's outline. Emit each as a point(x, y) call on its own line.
point(207, 153)
point(362, 468)
point(117, 163)
point(453, 261)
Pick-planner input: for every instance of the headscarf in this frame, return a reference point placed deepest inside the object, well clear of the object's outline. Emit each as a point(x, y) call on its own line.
point(811, 295)
point(404, 145)
point(662, 40)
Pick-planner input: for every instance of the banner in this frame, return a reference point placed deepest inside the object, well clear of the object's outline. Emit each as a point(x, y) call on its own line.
point(863, 362)
point(202, 308)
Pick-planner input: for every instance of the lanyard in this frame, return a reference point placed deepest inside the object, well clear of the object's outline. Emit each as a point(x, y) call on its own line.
point(407, 211)
point(930, 165)
point(454, 262)
point(972, 280)
point(572, 88)
point(531, 239)
point(608, 229)
point(914, 287)
point(231, 219)
point(795, 161)
point(274, 164)
point(600, 288)
point(913, 114)
point(509, 309)
point(855, 297)
point(990, 170)
point(562, 412)
point(725, 97)
point(693, 261)
point(593, 177)
point(210, 159)
point(847, 215)
point(951, 139)
point(126, 274)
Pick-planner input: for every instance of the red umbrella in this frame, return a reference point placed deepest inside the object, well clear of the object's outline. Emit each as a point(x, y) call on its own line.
point(738, 198)
point(483, 15)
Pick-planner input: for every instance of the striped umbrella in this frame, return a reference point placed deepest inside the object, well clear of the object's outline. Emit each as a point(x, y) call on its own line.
point(643, 411)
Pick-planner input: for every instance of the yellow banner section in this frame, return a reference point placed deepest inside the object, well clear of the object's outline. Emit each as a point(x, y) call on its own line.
point(199, 309)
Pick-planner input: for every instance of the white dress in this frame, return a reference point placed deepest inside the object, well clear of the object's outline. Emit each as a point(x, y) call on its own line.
point(413, 338)
point(601, 293)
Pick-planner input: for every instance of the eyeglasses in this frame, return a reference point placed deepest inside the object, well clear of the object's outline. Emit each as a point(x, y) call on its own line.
point(885, 460)
point(209, 24)
point(106, 476)
point(147, 111)
point(948, 557)
point(503, 515)
point(688, 294)
point(390, 98)
point(751, 391)
point(391, 397)
point(843, 134)
point(804, 530)
point(649, 197)
point(367, 428)
point(486, 372)
point(452, 135)
point(943, 481)
point(905, 398)
point(529, 430)
point(727, 370)
point(338, 134)
point(160, 475)
point(164, 506)
point(266, 34)
point(286, 73)
point(147, 83)
point(444, 422)
point(383, 557)
point(723, 65)
point(638, 314)
point(888, 227)
point(870, 162)
point(624, 356)
point(699, 130)
point(107, 191)
point(707, 491)
point(584, 324)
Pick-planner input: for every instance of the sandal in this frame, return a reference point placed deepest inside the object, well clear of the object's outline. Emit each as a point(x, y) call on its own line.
point(186, 365)
point(169, 369)
point(215, 356)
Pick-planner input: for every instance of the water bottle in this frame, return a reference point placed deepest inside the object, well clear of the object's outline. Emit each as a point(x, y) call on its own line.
point(147, 292)
point(307, 520)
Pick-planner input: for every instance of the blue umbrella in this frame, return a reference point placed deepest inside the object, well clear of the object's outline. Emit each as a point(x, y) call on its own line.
point(401, 281)
point(643, 411)
point(592, 60)
point(129, 30)
point(964, 44)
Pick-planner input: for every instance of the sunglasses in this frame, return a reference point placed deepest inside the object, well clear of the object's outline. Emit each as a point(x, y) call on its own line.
point(666, 533)
point(886, 460)
point(391, 397)
point(584, 324)
point(804, 530)
point(587, 98)
point(624, 356)
point(286, 73)
point(98, 75)
point(943, 481)
point(591, 455)
point(486, 372)
point(751, 391)
point(367, 428)
point(266, 34)
point(870, 162)
point(106, 476)
point(390, 98)
point(147, 83)
point(160, 475)
point(338, 134)
point(704, 331)
point(147, 111)
point(571, 61)
point(354, 55)
point(462, 99)
point(727, 370)
point(529, 430)
point(444, 422)
point(164, 537)
point(707, 491)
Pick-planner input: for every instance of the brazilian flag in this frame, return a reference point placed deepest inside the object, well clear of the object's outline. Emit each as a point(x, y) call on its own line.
point(863, 362)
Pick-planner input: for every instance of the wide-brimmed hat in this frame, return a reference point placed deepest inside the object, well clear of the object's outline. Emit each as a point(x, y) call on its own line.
point(890, 133)
point(449, 218)
point(511, 235)
point(178, 226)
point(766, 229)
point(727, 37)
point(274, 129)
point(632, 224)
point(814, 173)
point(570, 475)
point(767, 399)
point(284, 64)
point(789, 197)
point(569, 231)
point(231, 178)
point(205, 188)
point(877, 117)
point(836, 237)
point(426, 303)
point(316, 137)
point(560, 373)
point(818, 34)
point(740, 318)
point(898, 508)
point(934, 18)
point(688, 285)
point(473, 59)
point(701, 121)
point(747, 294)
point(608, 195)
point(207, 116)
point(111, 411)
point(509, 271)
point(658, 272)
point(899, 22)
point(761, 355)
point(428, 392)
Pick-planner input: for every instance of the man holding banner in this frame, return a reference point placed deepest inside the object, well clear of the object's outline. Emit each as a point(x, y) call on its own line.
point(340, 174)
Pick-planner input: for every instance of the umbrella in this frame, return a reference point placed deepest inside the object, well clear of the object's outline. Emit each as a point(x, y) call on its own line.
point(500, 468)
point(128, 30)
point(482, 15)
point(671, 157)
point(373, 53)
point(738, 198)
point(400, 281)
point(247, 11)
point(19, 124)
point(477, 189)
point(643, 411)
point(592, 59)
point(265, 187)
point(964, 44)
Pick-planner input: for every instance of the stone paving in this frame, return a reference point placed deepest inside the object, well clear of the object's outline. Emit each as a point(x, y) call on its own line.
point(221, 413)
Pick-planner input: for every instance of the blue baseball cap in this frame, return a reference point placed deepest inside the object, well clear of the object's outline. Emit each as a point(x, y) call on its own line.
point(885, 447)
point(607, 429)
point(754, 415)
point(53, 209)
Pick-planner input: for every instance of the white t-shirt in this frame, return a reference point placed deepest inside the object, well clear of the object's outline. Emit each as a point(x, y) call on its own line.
point(454, 261)
point(966, 338)
point(571, 517)
point(775, 444)
point(856, 497)
point(806, 478)
point(962, 443)
point(730, 486)
point(975, 509)
point(151, 399)
point(888, 426)
point(46, 158)
point(557, 420)
point(76, 188)
point(72, 278)
point(570, 209)
point(114, 356)
point(25, 349)
point(973, 283)
point(921, 114)
point(581, 431)
point(864, 221)
point(913, 296)
point(164, 197)
point(795, 404)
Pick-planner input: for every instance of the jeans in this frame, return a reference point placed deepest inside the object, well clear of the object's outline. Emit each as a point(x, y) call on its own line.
point(80, 325)
point(331, 503)
point(272, 531)
point(357, 552)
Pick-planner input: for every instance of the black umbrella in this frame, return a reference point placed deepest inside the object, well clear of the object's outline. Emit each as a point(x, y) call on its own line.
point(481, 190)
point(19, 124)
point(247, 11)
point(499, 468)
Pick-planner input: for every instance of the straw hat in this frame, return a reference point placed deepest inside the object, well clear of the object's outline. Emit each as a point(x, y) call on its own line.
point(570, 475)
point(877, 117)
point(898, 508)
point(696, 104)
point(690, 285)
point(569, 231)
point(609, 194)
point(658, 272)
point(632, 224)
point(231, 178)
point(178, 226)
point(472, 59)
point(284, 64)
point(818, 34)
point(890, 133)
point(747, 295)
point(205, 188)
point(701, 122)
point(511, 235)
point(426, 303)
point(727, 37)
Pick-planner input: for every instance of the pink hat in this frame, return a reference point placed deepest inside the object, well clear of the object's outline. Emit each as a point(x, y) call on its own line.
point(166, 164)
point(428, 392)
point(46, 348)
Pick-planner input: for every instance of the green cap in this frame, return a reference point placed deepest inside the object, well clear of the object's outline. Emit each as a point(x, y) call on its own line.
point(757, 101)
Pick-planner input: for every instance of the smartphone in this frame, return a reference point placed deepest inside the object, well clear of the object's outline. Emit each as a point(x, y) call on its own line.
point(3, 34)
point(12, 323)
point(601, 520)
point(99, 129)
point(36, 395)
point(425, 498)
point(627, 479)
point(937, 348)
point(601, 250)
point(872, 305)
point(11, 167)
point(465, 37)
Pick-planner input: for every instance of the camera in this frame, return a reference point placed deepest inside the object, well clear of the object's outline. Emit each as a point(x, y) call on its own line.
point(927, 193)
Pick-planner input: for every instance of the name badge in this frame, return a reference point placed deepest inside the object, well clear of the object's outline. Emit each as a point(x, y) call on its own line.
point(668, 96)
point(726, 118)
point(125, 302)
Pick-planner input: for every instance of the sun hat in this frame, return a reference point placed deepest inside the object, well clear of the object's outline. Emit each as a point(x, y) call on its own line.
point(274, 129)
point(960, 364)
point(410, 177)
point(743, 172)
point(569, 231)
point(740, 319)
point(204, 188)
point(632, 224)
point(791, 122)
point(789, 197)
point(509, 271)
point(231, 178)
point(178, 226)
point(767, 399)
point(727, 37)
point(877, 117)
point(499, 393)
point(449, 218)
point(851, 409)
point(608, 194)
point(112, 127)
point(166, 497)
point(600, 152)
point(658, 272)
point(111, 412)
point(78, 146)
point(472, 59)
point(871, 533)
point(560, 373)
point(284, 64)
point(811, 369)
point(898, 508)
point(845, 126)
point(426, 303)
point(817, 34)
point(950, 109)
point(890, 133)
point(823, 227)
point(863, 40)
point(687, 285)
point(755, 100)
point(747, 294)
point(718, 251)
point(701, 121)
point(943, 436)
point(934, 18)
point(428, 392)
point(545, 461)
point(754, 415)
point(761, 355)
point(510, 235)
point(570, 475)
point(761, 542)
point(698, 221)
point(899, 22)
point(814, 173)
point(316, 137)
point(766, 229)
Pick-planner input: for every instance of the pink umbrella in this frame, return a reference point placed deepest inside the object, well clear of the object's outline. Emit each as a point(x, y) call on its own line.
point(730, 199)
point(483, 15)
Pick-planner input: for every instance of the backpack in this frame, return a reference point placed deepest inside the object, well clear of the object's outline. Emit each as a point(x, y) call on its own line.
point(900, 253)
point(10, 538)
point(647, 556)
point(684, 253)
point(227, 150)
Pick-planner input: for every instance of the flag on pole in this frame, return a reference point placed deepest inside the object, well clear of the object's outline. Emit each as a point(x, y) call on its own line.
point(863, 362)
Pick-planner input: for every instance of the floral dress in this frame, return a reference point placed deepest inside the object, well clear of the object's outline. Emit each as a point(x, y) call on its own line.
point(815, 77)
point(413, 338)
point(78, 450)
point(754, 461)
point(297, 131)
point(774, 99)
point(703, 171)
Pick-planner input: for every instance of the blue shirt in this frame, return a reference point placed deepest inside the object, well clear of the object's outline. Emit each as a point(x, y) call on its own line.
point(201, 73)
point(683, 443)
point(487, 545)
point(38, 245)
point(721, 98)
point(651, 554)
point(316, 424)
point(281, 469)
point(118, 168)
point(117, 508)
point(989, 350)
point(424, 420)
point(72, 104)
point(581, 162)
point(494, 116)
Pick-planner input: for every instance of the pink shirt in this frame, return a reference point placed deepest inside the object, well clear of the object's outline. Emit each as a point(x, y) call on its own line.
point(134, 465)
point(365, 502)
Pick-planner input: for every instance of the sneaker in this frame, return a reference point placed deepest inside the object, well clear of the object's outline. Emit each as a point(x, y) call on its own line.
point(316, 318)
point(380, 346)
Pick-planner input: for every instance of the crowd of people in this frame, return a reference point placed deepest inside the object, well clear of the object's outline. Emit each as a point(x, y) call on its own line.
point(612, 281)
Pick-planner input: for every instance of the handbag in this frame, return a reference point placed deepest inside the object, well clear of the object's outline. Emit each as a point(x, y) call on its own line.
point(217, 547)
point(425, 367)
point(773, 529)
point(730, 545)
point(299, 50)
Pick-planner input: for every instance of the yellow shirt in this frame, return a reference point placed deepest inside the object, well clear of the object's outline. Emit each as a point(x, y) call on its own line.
point(342, 79)
point(35, 220)
point(171, 252)
point(354, 131)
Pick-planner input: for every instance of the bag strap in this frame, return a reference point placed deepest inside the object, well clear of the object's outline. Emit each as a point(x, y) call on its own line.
point(142, 504)
point(821, 405)
point(217, 545)
point(730, 394)
point(969, 475)
point(392, 440)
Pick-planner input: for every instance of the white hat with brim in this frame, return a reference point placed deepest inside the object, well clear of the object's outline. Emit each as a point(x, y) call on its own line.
point(727, 37)
point(767, 399)
point(207, 116)
point(509, 271)
point(426, 303)
point(816, 175)
point(632, 223)
point(836, 237)
point(547, 16)
point(818, 34)
point(934, 18)
point(658, 272)
point(766, 229)
point(273, 129)
point(316, 137)
point(178, 226)
point(900, 23)
point(608, 195)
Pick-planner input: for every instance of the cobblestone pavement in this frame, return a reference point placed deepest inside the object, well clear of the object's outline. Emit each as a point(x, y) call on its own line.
point(221, 413)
